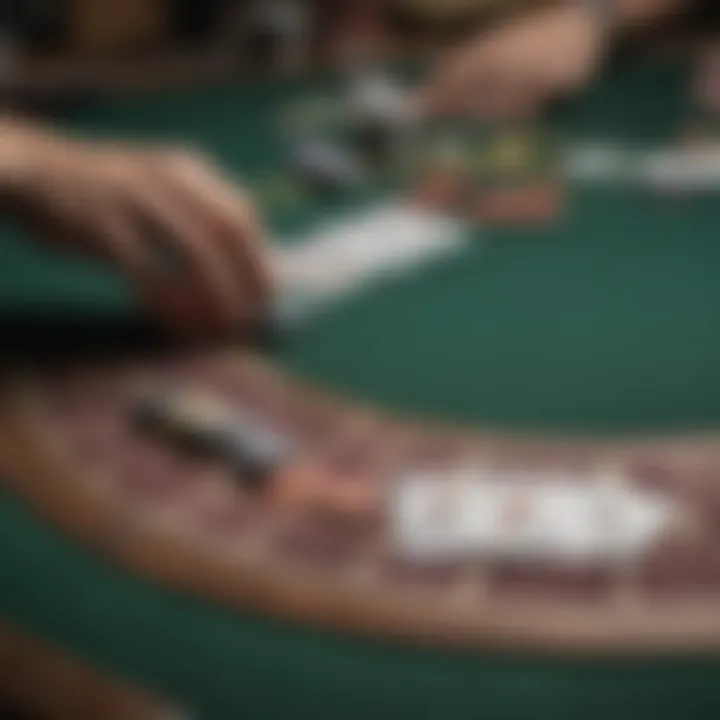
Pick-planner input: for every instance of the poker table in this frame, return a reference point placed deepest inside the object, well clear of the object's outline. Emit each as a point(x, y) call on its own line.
point(603, 326)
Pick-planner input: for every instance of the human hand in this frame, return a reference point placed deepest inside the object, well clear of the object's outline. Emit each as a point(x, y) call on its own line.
point(517, 67)
point(186, 238)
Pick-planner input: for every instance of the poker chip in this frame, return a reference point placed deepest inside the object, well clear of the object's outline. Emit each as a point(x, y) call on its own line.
point(532, 205)
point(542, 203)
point(374, 98)
point(325, 166)
point(442, 192)
point(314, 491)
point(206, 426)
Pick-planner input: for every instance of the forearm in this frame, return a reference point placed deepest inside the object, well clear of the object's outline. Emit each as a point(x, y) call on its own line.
point(24, 147)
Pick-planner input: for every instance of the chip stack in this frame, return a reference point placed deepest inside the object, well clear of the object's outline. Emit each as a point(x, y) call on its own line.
point(201, 425)
point(380, 113)
point(325, 167)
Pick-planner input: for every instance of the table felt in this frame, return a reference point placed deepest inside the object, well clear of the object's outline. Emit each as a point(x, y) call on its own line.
point(606, 324)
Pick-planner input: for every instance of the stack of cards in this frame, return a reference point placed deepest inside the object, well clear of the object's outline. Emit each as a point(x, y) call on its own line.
point(688, 168)
point(691, 170)
point(345, 255)
point(531, 517)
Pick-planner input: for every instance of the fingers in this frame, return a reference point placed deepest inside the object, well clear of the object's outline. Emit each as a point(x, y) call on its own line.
point(124, 232)
point(230, 218)
point(219, 279)
point(121, 245)
point(185, 276)
point(189, 243)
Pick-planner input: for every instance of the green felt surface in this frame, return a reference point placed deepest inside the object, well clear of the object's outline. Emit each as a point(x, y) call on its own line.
point(607, 324)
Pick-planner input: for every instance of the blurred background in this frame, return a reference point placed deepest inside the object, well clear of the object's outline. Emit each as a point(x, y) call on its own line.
point(53, 49)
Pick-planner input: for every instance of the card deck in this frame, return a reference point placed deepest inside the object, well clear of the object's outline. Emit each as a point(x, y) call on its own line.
point(344, 255)
point(525, 517)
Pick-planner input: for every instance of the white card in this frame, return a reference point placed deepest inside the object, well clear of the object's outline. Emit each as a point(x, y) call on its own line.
point(688, 169)
point(345, 254)
point(599, 163)
point(549, 517)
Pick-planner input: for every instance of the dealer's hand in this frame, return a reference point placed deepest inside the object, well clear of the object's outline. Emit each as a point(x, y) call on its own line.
point(188, 239)
point(515, 68)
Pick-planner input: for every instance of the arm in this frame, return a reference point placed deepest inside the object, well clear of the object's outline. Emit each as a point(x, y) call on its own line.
point(547, 52)
point(21, 147)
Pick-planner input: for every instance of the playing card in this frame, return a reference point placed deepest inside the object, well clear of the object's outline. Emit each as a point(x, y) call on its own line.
point(681, 169)
point(526, 517)
point(346, 254)
point(599, 163)
point(375, 97)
